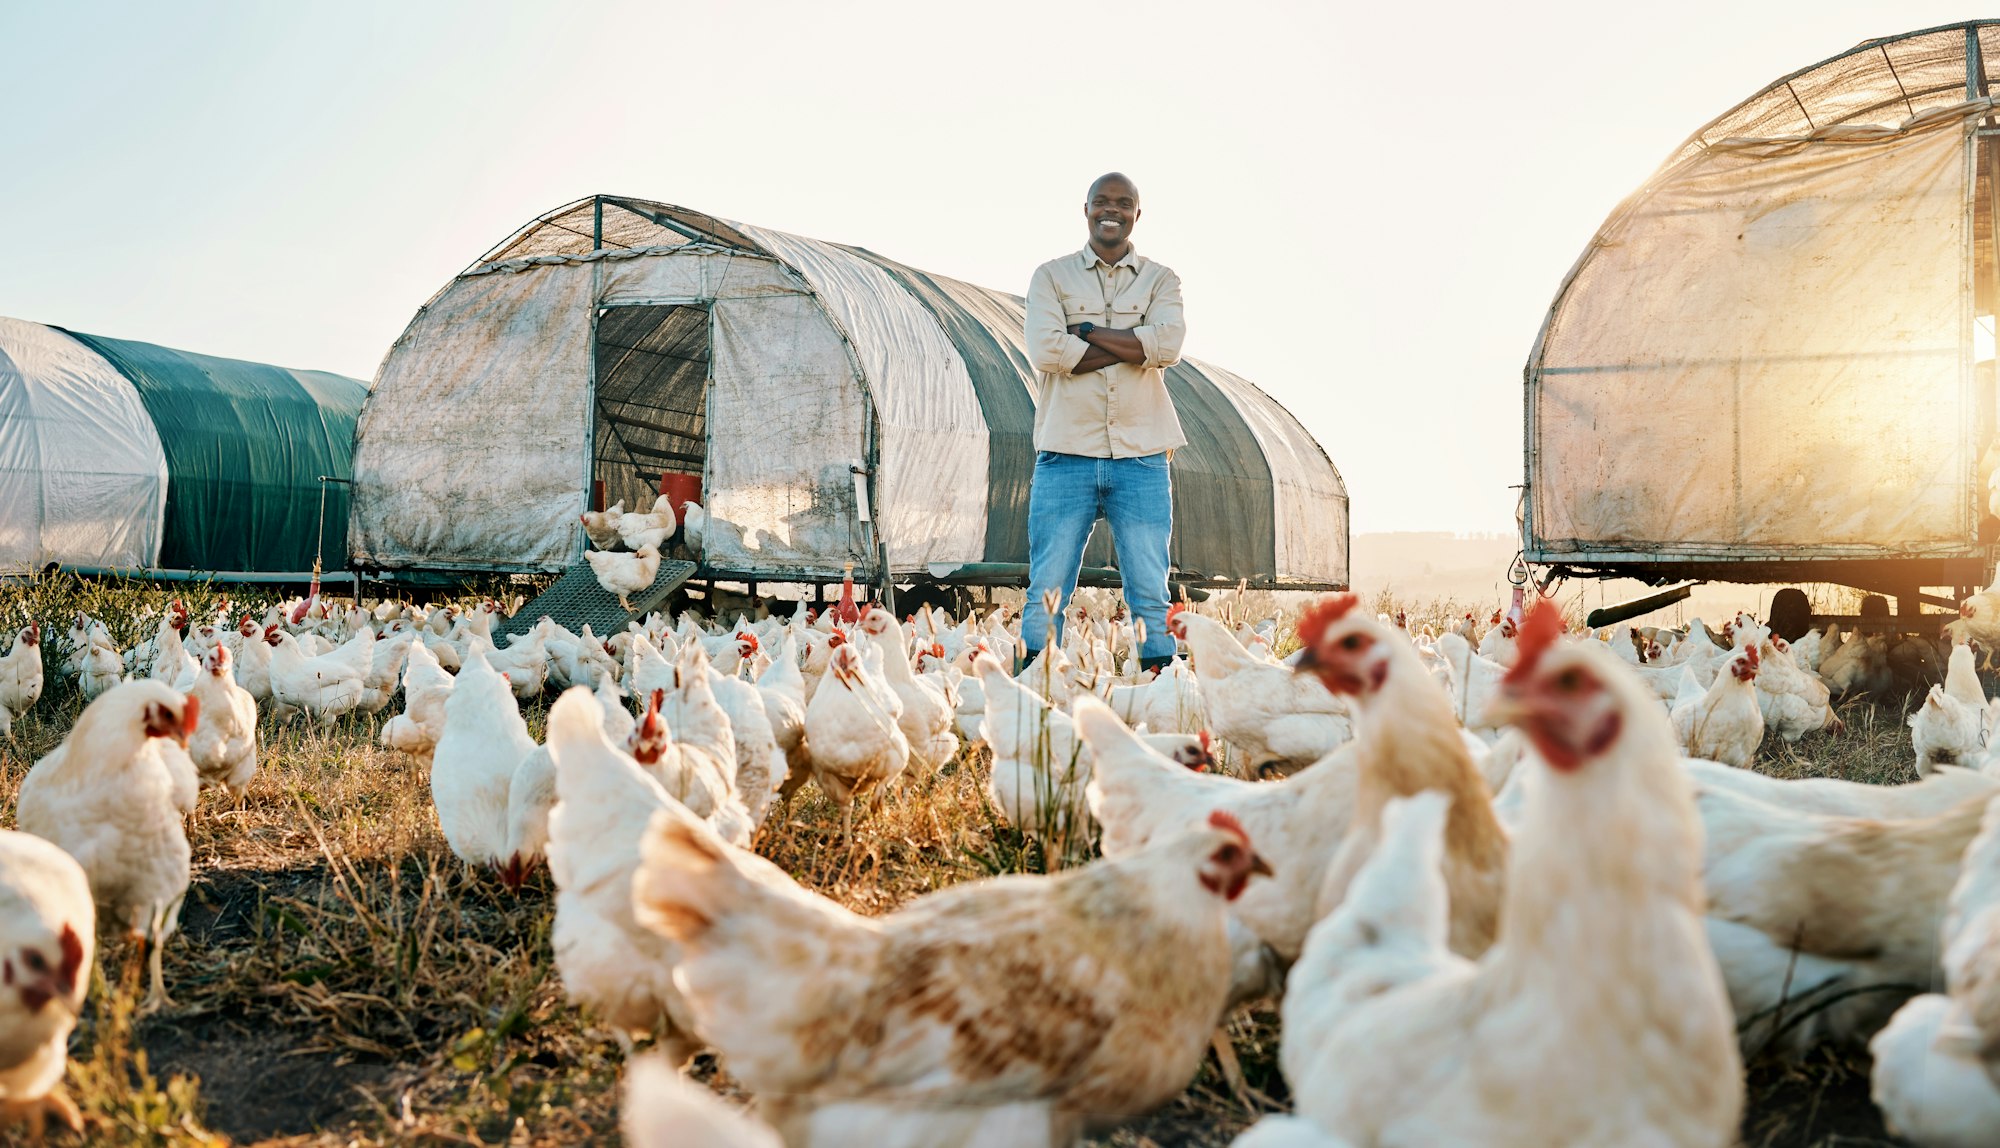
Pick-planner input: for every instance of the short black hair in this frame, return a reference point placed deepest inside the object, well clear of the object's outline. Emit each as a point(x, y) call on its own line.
point(1111, 175)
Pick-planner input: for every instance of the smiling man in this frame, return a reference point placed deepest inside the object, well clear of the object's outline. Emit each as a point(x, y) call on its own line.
point(1103, 325)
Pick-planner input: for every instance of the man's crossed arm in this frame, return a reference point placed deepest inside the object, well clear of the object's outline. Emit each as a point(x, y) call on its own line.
point(1108, 345)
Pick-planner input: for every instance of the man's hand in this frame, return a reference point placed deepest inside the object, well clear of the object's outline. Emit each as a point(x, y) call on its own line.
point(1108, 345)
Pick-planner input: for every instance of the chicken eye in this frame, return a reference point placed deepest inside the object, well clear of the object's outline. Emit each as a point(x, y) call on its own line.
point(1228, 855)
point(1568, 681)
point(1351, 642)
point(35, 961)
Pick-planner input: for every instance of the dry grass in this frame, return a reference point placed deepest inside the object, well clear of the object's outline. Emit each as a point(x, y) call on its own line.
point(341, 980)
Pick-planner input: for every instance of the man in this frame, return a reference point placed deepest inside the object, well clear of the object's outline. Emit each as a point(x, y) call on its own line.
point(1103, 326)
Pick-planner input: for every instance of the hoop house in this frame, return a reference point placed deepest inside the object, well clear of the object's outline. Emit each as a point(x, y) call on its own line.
point(832, 405)
point(123, 455)
point(1775, 359)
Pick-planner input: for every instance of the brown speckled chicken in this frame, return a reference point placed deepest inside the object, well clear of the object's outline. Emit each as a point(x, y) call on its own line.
point(1095, 991)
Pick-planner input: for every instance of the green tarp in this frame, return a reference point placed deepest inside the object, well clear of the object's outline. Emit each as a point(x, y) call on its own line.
point(245, 446)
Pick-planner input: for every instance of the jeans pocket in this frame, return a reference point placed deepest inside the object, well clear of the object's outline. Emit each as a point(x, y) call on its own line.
point(1151, 461)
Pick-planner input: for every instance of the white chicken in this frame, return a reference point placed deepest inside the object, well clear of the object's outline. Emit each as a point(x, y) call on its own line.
point(624, 575)
point(253, 660)
point(663, 1109)
point(601, 526)
point(525, 662)
point(224, 745)
point(1724, 722)
point(621, 971)
point(1040, 770)
point(1794, 702)
point(1475, 681)
point(1601, 1019)
point(851, 725)
point(783, 689)
point(323, 687)
point(20, 677)
point(48, 936)
point(929, 707)
point(1094, 992)
point(1937, 1060)
point(482, 744)
point(1950, 727)
point(416, 730)
point(99, 667)
point(112, 795)
point(1282, 721)
point(1170, 703)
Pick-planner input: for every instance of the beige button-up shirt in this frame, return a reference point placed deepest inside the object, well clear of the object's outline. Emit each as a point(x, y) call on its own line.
point(1119, 411)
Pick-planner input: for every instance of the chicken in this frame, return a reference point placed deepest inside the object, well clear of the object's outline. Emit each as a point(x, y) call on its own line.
point(161, 659)
point(112, 795)
point(531, 793)
point(99, 667)
point(48, 935)
point(385, 664)
point(759, 768)
point(224, 746)
point(524, 663)
point(1932, 1091)
point(929, 707)
point(624, 973)
point(1139, 797)
point(1094, 991)
point(1040, 770)
point(783, 689)
point(1950, 727)
point(1859, 667)
point(1946, 788)
point(1823, 922)
point(1280, 720)
point(325, 686)
point(1981, 615)
point(639, 530)
point(1724, 722)
point(601, 526)
point(1601, 1020)
point(624, 575)
point(1937, 1063)
point(1794, 703)
point(416, 730)
point(852, 727)
point(20, 677)
point(482, 744)
point(665, 1110)
point(253, 660)
point(1475, 681)
point(1407, 743)
point(1170, 703)
point(694, 526)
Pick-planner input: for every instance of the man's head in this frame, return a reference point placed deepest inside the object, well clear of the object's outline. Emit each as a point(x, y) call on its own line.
point(1111, 210)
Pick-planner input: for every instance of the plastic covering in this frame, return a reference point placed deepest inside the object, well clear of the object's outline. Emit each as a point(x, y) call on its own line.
point(83, 480)
point(930, 433)
point(1309, 500)
point(1768, 350)
point(772, 365)
point(245, 445)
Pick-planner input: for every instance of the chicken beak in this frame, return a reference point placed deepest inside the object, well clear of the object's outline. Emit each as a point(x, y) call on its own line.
point(1260, 867)
point(1506, 708)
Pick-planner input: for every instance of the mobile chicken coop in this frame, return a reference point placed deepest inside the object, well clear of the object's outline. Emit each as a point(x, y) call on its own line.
point(1775, 360)
point(833, 406)
point(126, 458)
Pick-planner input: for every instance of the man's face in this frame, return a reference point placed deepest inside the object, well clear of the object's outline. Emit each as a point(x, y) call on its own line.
point(1112, 211)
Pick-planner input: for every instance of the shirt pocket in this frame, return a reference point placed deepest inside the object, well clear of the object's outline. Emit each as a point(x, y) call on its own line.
point(1078, 308)
point(1127, 314)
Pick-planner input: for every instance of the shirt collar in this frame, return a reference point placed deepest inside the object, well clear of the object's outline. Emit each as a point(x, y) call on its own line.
point(1090, 258)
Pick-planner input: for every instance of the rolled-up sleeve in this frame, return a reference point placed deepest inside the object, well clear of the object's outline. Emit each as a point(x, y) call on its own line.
point(1055, 351)
point(1166, 325)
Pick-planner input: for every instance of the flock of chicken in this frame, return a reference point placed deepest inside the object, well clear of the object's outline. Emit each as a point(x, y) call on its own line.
point(1512, 887)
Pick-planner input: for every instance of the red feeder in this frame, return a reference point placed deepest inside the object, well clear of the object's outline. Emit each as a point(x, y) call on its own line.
point(682, 489)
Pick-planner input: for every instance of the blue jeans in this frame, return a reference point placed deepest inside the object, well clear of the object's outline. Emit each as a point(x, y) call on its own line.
point(1070, 493)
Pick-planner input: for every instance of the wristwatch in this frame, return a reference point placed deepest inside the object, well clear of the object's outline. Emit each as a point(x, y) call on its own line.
point(1084, 329)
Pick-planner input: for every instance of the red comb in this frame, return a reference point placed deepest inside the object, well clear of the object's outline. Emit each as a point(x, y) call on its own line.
point(1173, 612)
point(836, 639)
point(1543, 626)
point(1206, 740)
point(1324, 613)
point(653, 703)
point(1753, 657)
point(1226, 821)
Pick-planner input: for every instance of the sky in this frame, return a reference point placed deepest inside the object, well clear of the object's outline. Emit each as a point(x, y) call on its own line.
point(1370, 210)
